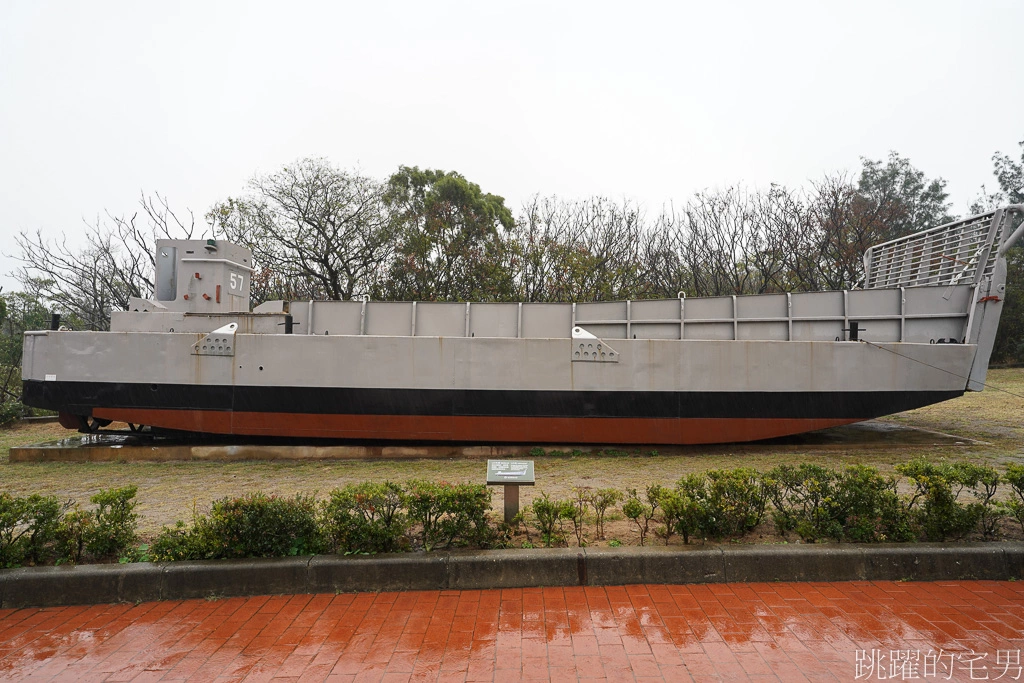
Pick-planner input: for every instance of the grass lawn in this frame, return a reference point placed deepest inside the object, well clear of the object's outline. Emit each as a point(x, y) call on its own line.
point(169, 490)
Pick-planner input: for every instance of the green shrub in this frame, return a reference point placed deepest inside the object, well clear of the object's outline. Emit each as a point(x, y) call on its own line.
point(601, 500)
point(731, 502)
point(798, 495)
point(365, 518)
point(1015, 478)
point(641, 512)
point(173, 544)
point(450, 514)
point(12, 530)
point(115, 522)
point(856, 504)
point(581, 497)
point(261, 525)
point(866, 508)
point(680, 514)
point(43, 518)
point(936, 500)
point(28, 529)
point(254, 525)
point(984, 483)
point(182, 542)
point(74, 530)
point(10, 411)
point(139, 553)
point(548, 515)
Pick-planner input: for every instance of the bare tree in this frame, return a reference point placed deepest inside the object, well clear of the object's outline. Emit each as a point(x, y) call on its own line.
point(664, 271)
point(86, 282)
point(773, 214)
point(315, 231)
point(718, 226)
point(579, 251)
point(320, 232)
point(536, 242)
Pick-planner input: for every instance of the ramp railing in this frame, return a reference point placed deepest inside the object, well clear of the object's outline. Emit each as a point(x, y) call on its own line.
point(961, 252)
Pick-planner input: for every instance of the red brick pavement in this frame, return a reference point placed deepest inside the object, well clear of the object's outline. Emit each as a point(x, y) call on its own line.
point(766, 632)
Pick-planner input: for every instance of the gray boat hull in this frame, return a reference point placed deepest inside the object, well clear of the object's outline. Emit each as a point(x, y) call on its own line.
point(490, 390)
point(673, 371)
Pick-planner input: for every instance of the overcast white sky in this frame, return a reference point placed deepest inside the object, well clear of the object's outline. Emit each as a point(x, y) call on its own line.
point(650, 101)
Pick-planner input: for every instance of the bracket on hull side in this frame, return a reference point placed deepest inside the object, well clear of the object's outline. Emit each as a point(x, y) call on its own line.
point(220, 342)
point(588, 348)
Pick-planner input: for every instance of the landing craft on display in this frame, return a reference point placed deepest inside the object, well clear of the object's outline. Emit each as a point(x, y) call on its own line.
point(919, 330)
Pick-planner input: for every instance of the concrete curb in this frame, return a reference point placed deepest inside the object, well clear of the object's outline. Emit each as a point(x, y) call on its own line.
point(462, 570)
point(39, 419)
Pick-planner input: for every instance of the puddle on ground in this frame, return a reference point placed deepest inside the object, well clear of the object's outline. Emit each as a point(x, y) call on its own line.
point(873, 433)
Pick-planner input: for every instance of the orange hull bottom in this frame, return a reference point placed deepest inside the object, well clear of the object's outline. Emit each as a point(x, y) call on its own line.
point(602, 430)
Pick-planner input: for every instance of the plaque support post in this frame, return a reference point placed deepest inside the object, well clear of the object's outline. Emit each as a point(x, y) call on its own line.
point(511, 502)
point(510, 475)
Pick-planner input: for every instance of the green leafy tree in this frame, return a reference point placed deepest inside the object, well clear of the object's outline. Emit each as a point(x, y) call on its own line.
point(23, 311)
point(1009, 173)
point(901, 198)
point(452, 242)
point(890, 199)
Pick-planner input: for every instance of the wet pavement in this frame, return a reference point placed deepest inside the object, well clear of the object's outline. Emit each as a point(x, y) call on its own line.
point(962, 630)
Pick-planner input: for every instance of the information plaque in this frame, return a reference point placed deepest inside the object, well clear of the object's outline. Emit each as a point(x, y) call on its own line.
point(510, 472)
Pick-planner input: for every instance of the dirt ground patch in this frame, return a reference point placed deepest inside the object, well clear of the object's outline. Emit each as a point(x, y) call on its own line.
point(170, 491)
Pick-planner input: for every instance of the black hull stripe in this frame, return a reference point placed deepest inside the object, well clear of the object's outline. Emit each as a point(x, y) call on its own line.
point(80, 397)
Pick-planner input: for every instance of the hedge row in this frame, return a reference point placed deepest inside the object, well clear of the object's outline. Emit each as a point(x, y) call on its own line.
point(44, 529)
point(816, 503)
point(360, 518)
point(855, 504)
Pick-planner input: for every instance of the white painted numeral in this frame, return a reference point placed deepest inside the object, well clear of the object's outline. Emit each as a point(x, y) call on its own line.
point(237, 281)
